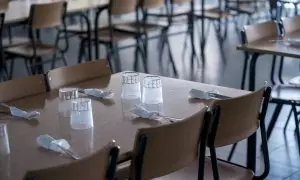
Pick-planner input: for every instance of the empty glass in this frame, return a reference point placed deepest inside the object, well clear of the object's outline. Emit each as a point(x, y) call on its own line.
point(4, 143)
point(152, 90)
point(81, 114)
point(66, 95)
point(131, 88)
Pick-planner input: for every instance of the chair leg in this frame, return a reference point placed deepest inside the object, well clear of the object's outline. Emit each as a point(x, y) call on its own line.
point(32, 65)
point(53, 63)
point(11, 71)
point(214, 163)
point(171, 59)
point(136, 56)
point(296, 124)
point(145, 41)
point(81, 51)
point(108, 57)
point(231, 152)
point(28, 66)
point(141, 50)
point(39, 65)
point(161, 51)
point(273, 120)
point(288, 120)
point(64, 59)
point(117, 58)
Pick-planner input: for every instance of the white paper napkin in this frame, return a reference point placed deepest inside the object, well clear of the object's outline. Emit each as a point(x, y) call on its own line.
point(50, 143)
point(144, 113)
point(199, 94)
point(195, 93)
point(14, 111)
point(98, 93)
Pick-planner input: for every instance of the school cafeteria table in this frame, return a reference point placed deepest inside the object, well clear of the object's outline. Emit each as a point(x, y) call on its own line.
point(109, 123)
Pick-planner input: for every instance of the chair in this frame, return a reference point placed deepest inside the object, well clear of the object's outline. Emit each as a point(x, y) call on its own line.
point(65, 76)
point(238, 119)
point(286, 94)
point(110, 36)
point(22, 87)
point(143, 27)
point(99, 166)
point(10, 41)
point(161, 150)
point(254, 33)
point(251, 34)
point(41, 16)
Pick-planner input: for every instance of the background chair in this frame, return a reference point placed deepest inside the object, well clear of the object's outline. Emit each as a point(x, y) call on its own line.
point(22, 87)
point(65, 76)
point(161, 150)
point(142, 28)
point(41, 16)
point(109, 36)
point(238, 119)
point(100, 166)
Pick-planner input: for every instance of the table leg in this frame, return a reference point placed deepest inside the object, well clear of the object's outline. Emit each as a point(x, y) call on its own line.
point(280, 70)
point(252, 72)
point(251, 143)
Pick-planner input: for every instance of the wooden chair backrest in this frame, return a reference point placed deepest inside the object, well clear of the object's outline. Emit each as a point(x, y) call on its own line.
point(22, 87)
point(261, 30)
point(94, 167)
point(119, 7)
point(65, 76)
point(291, 24)
point(48, 15)
point(4, 5)
point(148, 4)
point(239, 118)
point(169, 147)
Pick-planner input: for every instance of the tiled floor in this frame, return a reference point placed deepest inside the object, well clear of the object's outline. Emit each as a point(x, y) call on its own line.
point(284, 153)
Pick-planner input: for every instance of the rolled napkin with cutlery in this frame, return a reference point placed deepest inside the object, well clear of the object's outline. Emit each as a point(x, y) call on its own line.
point(97, 93)
point(140, 111)
point(60, 146)
point(199, 94)
point(14, 111)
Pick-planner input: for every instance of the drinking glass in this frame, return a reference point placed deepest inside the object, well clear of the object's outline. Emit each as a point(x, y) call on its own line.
point(4, 143)
point(81, 114)
point(66, 95)
point(152, 90)
point(131, 88)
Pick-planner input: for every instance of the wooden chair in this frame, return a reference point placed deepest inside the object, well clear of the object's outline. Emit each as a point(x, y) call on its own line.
point(110, 36)
point(65, 76)
point(22, 87)
point(286, 94)
point(142, 27)
point(254, 33)
point(10, 41)
point(162, 150)
point(238, 119)
point(41, 16)
point(99, 166)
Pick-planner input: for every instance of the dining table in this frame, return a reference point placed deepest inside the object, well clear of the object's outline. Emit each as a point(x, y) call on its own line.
point(111, 122)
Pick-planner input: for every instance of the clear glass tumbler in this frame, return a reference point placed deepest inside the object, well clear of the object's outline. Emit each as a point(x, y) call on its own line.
point(152, 91)
point(131, 88)
point(4, 142)
point(66, 95)
point(82, 114)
